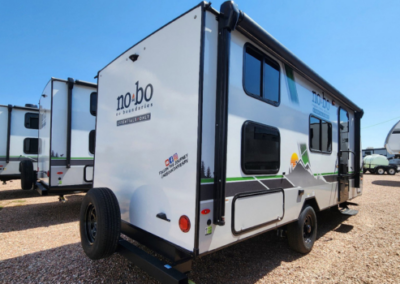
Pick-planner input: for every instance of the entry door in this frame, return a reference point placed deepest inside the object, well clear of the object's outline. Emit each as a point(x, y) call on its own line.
point(343, 153)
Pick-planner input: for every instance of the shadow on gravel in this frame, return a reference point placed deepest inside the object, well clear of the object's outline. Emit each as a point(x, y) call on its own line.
point(251, 260)
point(17, 216)
point(343, 228)
point(18, 194)
point(245, 262)
point(391, 183)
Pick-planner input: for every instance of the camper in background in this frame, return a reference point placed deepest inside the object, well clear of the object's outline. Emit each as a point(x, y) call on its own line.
point(66, 125)
point(18, 141)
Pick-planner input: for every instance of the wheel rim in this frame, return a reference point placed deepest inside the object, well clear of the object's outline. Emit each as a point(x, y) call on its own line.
point(391, 171)
point(380, 171)
point(91, 223)
point(308, 229)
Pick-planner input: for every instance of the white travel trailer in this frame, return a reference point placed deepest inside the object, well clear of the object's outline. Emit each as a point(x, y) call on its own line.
point(18, 139)
point(392, 142)
point(66, 123)
point(210, 132)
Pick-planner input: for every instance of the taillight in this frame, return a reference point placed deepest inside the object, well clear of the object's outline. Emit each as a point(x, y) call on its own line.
point(184, 223)
point(48, 173)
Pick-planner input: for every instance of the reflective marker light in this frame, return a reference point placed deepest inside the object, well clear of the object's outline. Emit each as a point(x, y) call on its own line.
point(59, 173)
point(48, 173)
point(205, 211)
point(184, 223)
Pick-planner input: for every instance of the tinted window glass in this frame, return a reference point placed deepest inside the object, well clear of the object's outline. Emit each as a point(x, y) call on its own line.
point(260, 149)
point(32, 120)
point(93, 103)
point(252, 73)
point(31, 146)
point(92, 137)
point(261, 76)
point(320, 135)
point(271, 81)
point(314, 133)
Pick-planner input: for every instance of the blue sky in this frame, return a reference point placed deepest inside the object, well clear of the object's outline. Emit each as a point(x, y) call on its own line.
point(354, 45)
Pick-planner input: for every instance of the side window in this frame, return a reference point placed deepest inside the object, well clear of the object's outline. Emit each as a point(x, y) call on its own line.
point(32, 120)
point(320, 135)
point(31, 145)
point(260, 149)
point(93, 103)
point(261, 76)
point(92, 137)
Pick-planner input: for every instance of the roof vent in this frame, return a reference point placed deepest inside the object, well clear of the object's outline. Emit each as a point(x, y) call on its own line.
point(31, 105)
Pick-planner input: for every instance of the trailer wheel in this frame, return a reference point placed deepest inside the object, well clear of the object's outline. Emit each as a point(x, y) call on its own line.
point(27, 174)
point(100, 223)
point(380, 171)
point(303, 233)
point(391, 171)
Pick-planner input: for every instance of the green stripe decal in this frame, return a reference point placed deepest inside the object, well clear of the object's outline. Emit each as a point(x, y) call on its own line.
point(269, 177)
point(207, 180)
point(239, 178)
point(325, 174)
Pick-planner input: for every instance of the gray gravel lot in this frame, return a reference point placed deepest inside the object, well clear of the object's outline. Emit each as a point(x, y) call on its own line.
point(39, 242)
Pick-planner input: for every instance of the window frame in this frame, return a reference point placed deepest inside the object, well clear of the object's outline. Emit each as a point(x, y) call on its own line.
point(30, 114)
point(243, 146)
point(265, 58)
point(23, 146)
point(320, 136)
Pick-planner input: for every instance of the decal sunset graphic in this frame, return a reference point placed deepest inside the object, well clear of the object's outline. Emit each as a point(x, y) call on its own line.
point(294, 159)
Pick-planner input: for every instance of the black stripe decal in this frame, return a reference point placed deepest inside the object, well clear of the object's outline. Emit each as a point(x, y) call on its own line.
point(17, 159)
point(73, 162)
point(233, 188)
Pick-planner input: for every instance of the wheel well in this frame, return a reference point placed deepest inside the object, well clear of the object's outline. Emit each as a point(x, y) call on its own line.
point(313, 203)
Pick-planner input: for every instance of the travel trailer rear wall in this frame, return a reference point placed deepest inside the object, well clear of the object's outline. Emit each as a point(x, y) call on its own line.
point(66, 123)
point(210, 132)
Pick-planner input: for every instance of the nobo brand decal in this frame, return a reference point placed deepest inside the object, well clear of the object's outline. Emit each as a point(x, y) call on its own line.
point(136, 101)
point(173, 163)
point(146, 95)
point(321, 106)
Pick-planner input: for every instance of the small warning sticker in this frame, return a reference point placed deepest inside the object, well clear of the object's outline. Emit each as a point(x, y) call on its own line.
point(208, 230)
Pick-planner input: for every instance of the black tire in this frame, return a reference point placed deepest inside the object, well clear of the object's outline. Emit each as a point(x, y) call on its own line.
point(100, 223)
point(364, 171)
point(371, 171)
point(27, 174)
point(303, 233)
point(391, 171)
point(380, 171)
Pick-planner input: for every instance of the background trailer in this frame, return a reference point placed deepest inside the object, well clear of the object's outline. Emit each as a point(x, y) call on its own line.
point(210, 132)
point(392, 142)
point(66, 123)
point(18, 139)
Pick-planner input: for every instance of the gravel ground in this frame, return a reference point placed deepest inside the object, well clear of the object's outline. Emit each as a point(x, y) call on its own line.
point(39, 242)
